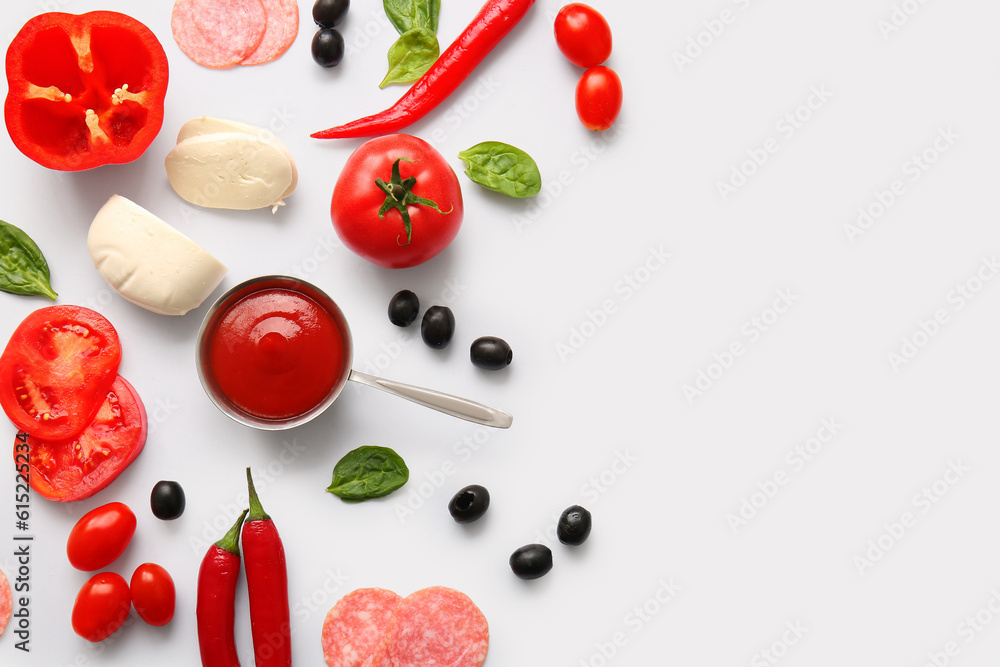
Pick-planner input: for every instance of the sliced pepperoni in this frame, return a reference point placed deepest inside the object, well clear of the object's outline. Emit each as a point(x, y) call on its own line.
point(6, 603)
point(282, 28)
point(356, 625)
point(218, 33)
point(435, 627)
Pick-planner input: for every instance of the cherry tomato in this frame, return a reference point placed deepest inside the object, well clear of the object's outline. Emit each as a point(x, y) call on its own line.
point(79, 467)
point(598, 98)
point(57, 369)
point(422, 184)
point(153, 594)
point(101, 606)
point(583, 35)
point(100, 536)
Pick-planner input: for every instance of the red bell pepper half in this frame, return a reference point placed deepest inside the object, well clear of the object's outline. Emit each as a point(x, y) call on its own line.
point(84, 90)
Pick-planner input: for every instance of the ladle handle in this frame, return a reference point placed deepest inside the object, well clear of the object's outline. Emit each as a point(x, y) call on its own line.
point(446, 403)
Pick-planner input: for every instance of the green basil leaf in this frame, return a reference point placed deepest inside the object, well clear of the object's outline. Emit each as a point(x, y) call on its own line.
point(405, 15)
point(23, 269)
point(368, 472)
point(502, 168)
point(410, 56)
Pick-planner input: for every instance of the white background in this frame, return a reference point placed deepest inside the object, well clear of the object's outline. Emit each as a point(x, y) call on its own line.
point(670, 575)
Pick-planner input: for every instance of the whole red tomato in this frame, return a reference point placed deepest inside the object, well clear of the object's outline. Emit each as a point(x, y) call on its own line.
point(583, 35)
point(100, 536)
point(101, 606)
point(598, 98)
point(397, 202)
point(153, 594)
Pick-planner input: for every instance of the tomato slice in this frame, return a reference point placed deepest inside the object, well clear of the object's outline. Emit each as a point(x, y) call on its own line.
point(78, 468)
point(57, 369)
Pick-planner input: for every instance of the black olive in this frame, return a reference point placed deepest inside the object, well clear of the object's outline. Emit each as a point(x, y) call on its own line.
point(531, 561)
point(437, 327)
point(491, 353)
point(574, 526)
point(167, 500)
point(469, 504)
point(403, 308)
point(329, 13)
point(328, 47)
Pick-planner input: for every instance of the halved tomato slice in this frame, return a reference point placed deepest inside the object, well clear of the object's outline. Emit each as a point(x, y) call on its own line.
point(57, 369)
point(78, 468)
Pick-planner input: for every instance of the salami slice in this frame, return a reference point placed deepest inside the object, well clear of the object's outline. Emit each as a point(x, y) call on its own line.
point(435, 627)
point(6, 603)
point(282, 28)
point(218, 33)
point(356, 625)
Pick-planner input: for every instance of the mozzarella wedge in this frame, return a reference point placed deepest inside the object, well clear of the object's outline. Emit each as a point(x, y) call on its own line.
point(149, 262)
point(204, 125)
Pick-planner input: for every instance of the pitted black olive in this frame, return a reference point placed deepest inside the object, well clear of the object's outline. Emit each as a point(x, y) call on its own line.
point(469, 504)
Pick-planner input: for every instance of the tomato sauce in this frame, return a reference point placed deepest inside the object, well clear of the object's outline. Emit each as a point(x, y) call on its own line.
point(276, 354)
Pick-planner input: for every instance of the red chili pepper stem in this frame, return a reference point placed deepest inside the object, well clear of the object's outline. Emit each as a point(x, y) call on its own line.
point(231, 540)
point(399, 195)
point(257, 512)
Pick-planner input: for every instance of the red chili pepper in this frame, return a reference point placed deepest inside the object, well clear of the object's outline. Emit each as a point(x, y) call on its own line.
point(217, 579)
point(267, 583)
point(491, 25)
point(84, 90)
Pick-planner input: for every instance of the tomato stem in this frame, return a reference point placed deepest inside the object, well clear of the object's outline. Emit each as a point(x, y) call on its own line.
point(399, 195)
point(257, 512)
